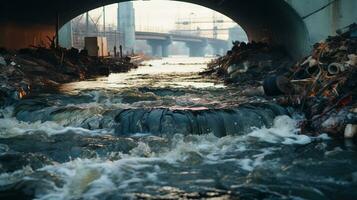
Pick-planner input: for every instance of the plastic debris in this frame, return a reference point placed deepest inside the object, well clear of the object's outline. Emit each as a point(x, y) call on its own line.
point(39, 67)
point(322, 86)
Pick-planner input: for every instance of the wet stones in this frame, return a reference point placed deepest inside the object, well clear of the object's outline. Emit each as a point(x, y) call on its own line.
point(135, 96)
point(40, 149)
point(12, 161)
point(163, 91)
point(22, 188)
point(93, 122)
point(31, 111)
point(2, 61)
point(220, 122)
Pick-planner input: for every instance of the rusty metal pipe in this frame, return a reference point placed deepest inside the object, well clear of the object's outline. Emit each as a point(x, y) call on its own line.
point(335, 68)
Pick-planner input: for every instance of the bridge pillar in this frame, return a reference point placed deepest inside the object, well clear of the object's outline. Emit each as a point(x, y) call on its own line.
point(159, 48)
point(165, 46)
point(197, 49)
point(126, 26)
point(219, 49)
point(155, 47)
point(165, 50)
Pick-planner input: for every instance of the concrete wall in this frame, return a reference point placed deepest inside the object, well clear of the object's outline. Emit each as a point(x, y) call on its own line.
point(25, 35)
point(324, 23)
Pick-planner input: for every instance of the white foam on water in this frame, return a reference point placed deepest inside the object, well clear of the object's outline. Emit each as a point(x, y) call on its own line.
point(284, 130)
point(7, 111)
point(256, 160)
point(14, 177)
point(91, 178)
point(11, 127)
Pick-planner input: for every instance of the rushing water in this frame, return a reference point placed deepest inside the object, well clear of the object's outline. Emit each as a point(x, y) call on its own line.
point(99, 139)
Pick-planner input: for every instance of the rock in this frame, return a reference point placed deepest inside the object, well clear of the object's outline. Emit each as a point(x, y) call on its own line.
point(350, 131)
point(13, 161)
point(93, 122)
point(134, 96)
point(4, 148)
point(41, 149)
point(254, 91)
point(2, 61)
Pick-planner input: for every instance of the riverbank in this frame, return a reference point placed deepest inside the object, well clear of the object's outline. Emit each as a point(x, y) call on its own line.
point(40, 68)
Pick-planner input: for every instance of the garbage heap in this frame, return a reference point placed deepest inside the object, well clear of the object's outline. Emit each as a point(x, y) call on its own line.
point(40, 68)
point(324, 87)
point(250, 63)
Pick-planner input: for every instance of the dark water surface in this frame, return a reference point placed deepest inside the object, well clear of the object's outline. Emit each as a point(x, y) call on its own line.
point(165, 132)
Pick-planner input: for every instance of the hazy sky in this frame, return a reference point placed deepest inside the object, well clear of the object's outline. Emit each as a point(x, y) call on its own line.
point(161, 15)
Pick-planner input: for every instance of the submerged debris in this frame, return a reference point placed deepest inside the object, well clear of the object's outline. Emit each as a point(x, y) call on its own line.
point(220, 122)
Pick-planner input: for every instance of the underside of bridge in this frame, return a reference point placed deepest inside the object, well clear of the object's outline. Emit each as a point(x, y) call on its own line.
point(25, 23)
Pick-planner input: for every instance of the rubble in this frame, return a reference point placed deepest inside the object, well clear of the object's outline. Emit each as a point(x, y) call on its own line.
point(322, 86)
point(250, 63)
point(325, 84)
point(39, 68)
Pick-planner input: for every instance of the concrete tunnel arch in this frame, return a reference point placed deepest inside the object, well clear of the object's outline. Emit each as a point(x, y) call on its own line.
point(274, 21)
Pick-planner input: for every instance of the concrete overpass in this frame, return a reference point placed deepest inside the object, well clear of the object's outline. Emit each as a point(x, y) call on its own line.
point(278, 22)
point(159, 43)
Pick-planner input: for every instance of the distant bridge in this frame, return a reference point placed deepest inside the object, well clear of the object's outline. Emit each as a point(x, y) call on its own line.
point(159, 43)
point(292, 24)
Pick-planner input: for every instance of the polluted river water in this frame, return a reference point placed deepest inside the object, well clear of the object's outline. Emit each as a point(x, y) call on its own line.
point(162, 131)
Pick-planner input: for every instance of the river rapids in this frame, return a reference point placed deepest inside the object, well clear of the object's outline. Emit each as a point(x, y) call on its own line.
point(162, 131)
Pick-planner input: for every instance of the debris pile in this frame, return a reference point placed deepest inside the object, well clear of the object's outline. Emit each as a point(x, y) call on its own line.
point(249, 63)
point(323, 87)
point(39, 68)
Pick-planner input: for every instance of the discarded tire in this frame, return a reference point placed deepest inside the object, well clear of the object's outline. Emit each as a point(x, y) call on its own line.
point(220, 122)
point(276, 85)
